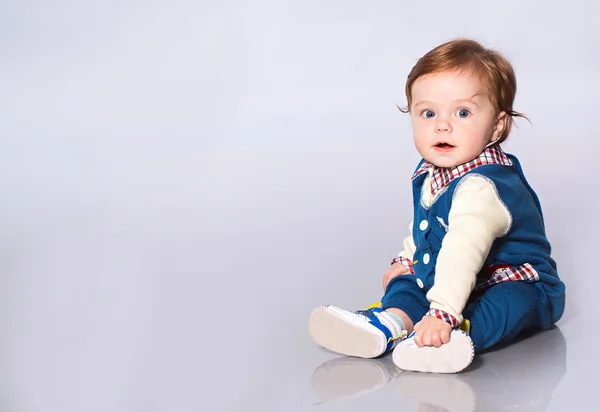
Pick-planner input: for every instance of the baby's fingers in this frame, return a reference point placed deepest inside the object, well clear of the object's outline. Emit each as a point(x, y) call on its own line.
point(434, 339)
point(445, 335)
point(418, 337)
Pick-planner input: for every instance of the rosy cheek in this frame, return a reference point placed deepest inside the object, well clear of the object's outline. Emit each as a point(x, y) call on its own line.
point(420, 129)
point(419, 123)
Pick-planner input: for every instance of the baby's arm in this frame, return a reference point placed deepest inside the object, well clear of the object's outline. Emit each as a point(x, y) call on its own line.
point(402, 263)
point(477, 217)
point(405, 256)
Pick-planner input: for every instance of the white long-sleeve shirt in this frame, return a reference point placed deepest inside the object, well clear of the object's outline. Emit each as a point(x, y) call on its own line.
point(476, 218)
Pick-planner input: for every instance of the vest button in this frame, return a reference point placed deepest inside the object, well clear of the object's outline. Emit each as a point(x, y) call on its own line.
point(420, 283)
point(426, 258)
point(423, 225)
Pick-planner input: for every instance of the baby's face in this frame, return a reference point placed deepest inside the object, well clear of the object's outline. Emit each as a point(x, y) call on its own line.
point(453, 118)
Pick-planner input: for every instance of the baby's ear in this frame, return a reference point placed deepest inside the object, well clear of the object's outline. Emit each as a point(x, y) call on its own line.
point(500, 125)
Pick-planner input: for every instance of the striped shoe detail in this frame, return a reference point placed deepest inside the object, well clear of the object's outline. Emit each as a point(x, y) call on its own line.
point(375, 321)
point(361, 334)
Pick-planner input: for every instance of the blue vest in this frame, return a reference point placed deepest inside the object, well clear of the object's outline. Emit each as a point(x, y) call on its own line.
point(525, 242)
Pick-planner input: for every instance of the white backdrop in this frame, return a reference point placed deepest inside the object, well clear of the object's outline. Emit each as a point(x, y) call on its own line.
point(184, 181)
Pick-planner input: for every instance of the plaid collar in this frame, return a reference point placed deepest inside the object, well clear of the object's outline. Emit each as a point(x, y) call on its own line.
point(442, 176)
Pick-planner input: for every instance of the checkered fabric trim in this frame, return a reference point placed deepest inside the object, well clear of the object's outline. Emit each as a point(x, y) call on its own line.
point(506, 274)
point(446, 317)
point(500, 274)
point(442, 176)
point(406, 262)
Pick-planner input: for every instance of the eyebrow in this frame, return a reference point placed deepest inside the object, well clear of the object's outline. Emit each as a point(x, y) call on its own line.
point(470, 100)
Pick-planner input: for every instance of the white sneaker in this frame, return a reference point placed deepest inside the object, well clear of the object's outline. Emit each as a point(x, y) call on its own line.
point(451, 357)
point(363, 334)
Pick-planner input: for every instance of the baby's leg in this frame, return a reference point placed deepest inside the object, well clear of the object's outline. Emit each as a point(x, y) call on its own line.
point(451, 357)
point(369, 333)
point(406, 299)
point(505, 310)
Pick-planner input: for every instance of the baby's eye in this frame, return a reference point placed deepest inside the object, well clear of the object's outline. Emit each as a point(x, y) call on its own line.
point(428, 114)
point(463, 113)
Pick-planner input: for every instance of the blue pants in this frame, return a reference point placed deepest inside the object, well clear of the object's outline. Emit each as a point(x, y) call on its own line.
point(497, 315)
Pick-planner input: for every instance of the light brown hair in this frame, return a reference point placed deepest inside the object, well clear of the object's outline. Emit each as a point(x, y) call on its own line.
point(491, 67)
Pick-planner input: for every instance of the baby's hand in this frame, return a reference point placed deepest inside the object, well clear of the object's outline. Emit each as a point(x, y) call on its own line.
point(395, 270)
point(431, 331)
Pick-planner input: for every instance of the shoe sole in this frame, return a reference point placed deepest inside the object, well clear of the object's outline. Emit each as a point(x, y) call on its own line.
point(352, 337)
point(451, 357)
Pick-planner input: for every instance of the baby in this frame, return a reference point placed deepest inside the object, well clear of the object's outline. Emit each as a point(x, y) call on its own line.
point(476, 269)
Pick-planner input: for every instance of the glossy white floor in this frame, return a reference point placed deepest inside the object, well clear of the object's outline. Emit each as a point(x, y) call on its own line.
point(184, 182)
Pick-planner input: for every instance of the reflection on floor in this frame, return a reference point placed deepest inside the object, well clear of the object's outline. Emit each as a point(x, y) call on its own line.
point(505, 379)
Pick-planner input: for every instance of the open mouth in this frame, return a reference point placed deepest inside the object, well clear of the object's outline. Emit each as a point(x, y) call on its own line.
point(444, 146)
